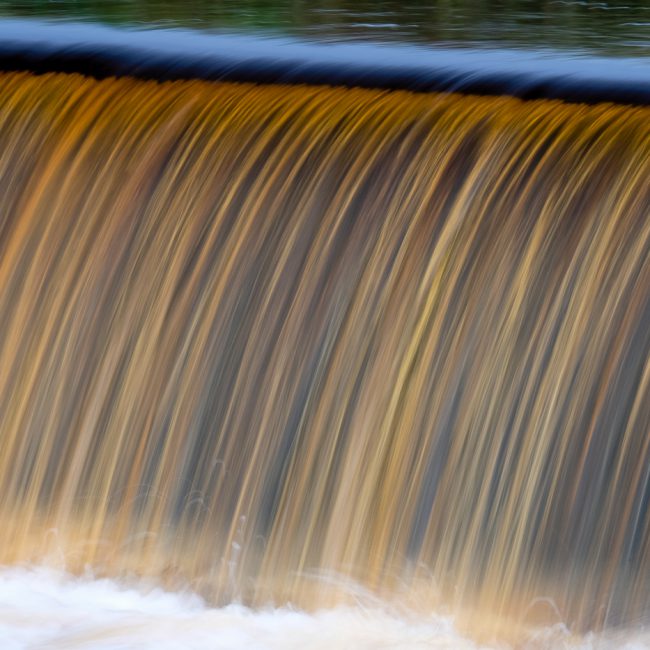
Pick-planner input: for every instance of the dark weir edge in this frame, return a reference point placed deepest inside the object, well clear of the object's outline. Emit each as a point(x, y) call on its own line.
point(171, 54)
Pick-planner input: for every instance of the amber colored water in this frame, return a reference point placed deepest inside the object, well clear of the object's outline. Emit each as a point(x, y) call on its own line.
point(282, 344)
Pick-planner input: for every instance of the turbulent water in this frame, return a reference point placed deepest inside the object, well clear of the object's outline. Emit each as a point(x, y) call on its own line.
point(44, 609)
point(268, 342)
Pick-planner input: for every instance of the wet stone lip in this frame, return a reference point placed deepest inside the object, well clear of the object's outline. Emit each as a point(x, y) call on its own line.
point(170, 54)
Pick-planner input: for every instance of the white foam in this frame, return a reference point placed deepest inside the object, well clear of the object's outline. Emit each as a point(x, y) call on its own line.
point(42, 608)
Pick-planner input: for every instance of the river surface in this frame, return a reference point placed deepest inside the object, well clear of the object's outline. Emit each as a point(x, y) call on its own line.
point(619, 28)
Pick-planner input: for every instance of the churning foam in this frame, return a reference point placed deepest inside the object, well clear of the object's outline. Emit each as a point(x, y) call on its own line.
point(44, 608)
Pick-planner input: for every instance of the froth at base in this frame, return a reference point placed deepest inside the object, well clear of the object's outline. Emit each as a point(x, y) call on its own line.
point(46, 608)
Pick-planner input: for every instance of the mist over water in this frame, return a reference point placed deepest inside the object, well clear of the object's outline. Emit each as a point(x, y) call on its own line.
point(43, 608)
point(262, 343)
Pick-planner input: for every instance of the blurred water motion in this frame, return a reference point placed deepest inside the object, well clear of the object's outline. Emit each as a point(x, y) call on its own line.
point(615, 27)
point(102, 51)
point(46, 609)
point(268, 342)
point(42, 608)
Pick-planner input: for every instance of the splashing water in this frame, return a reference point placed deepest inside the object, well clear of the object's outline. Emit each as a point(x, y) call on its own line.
point(42, 608)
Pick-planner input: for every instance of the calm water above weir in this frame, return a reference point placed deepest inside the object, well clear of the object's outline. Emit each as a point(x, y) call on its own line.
point(619, 28)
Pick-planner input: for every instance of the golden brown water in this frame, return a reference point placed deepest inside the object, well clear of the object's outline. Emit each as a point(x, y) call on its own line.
point(293, 343)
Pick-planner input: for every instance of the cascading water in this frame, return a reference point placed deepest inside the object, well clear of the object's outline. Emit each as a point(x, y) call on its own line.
point(270, 342)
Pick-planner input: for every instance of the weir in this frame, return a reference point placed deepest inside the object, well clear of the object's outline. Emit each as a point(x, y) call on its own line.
point(293, 344)
point(176, 54)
